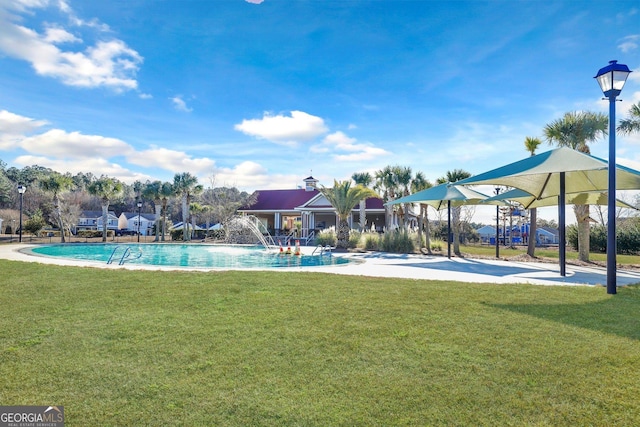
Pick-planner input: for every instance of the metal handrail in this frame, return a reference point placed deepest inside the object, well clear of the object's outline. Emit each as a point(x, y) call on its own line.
point(125, 255)
point(110, 260)
point(323, 249)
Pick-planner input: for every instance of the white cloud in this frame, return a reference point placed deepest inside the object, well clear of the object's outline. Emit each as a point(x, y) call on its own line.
point(56, 35)
point(109, 63)
point(245, 175)
point(364, 152)
point(179, 104)
point(145, 96)
point(171, 160)
point(254, 1)
point(284, 130)
point(346, 148)
point(60, 144)
point(629, 43)
point(13, 128)
point(77, 152)
point(340, 140)
point(634, 77)
point(15, 124)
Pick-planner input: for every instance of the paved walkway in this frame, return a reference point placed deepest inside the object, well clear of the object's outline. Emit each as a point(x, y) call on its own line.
point(378, 264)
point(482, 270)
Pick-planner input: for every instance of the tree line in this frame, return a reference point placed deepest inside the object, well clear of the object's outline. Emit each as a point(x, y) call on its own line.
point(57, 200)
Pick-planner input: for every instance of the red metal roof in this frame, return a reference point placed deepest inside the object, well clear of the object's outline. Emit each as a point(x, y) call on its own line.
point(288, 200)
point(374, 203)
point(281, 200)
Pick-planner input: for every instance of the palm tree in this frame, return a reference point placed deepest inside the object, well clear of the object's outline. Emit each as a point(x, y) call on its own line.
point(403, 178)
point(386, 185)
point(576, 130)
point(186, 186)
point(451, 177)
point(195, 209)
point(138, 187)
point(393, 182)
point(166, 192)
point(56, 184)
point(207, 211)
point(420, 183)
point(106, 189)
point(531, 145)
point(364, 179)
point(343, 198)
point(152, 191)
point(632, 123)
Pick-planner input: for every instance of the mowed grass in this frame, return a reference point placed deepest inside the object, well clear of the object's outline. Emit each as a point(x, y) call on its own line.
point(507, 252)
point(136, 348)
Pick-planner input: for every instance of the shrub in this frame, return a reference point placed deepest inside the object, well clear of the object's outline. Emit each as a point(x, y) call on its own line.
point(216, 234)
point(371, 241)
point(89, 233)
point(326, 237)
point(440, 231)
point(354, 238)
point(35, 223)
point(437, 245)
point(627, 239)
point(397, 241)
point(597, 239)
point(571, 235)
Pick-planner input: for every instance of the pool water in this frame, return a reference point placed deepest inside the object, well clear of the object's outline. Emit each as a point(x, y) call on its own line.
point(196, 256)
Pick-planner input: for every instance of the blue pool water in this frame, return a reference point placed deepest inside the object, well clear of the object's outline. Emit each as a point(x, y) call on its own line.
point(197, 256)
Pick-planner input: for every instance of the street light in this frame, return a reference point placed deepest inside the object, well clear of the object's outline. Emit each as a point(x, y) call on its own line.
point(611, 80)
point(21, 190)
point(139, 207)
point(497, 226)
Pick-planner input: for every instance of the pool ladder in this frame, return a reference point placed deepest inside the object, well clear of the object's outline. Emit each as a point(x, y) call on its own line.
point(324, 250)
point(125, 255)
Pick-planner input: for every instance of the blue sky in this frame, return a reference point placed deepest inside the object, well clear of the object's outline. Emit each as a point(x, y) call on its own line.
point(260, 94)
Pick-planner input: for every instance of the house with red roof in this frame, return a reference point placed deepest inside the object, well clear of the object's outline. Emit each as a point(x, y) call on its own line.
point(305, 211)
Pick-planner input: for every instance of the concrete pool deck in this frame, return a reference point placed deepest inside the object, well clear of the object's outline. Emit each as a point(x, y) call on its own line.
point(420, 267)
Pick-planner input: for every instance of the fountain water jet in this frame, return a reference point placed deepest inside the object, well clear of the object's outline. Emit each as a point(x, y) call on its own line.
point(247, 229)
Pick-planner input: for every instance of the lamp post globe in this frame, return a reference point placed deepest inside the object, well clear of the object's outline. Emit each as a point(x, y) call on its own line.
point(21, 190)
point(611, 80)
point(139, 208)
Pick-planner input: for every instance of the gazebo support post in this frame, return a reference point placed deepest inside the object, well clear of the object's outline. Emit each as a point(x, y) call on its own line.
point(562, 239)
point(449, 229)
point(497, 226)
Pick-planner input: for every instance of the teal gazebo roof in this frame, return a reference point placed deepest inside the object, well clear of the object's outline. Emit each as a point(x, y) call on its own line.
point(540, 175)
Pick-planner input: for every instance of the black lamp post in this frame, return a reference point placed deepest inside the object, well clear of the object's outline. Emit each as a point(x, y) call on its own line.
point(21, 190)
point(611, 80)
point(139, 207)
point(497, 226)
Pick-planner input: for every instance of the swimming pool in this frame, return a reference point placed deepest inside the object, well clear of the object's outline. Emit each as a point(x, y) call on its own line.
point(180, 255)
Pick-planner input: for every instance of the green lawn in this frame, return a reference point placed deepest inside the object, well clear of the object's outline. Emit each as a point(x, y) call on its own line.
point(506, 252)
point(120, 348)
